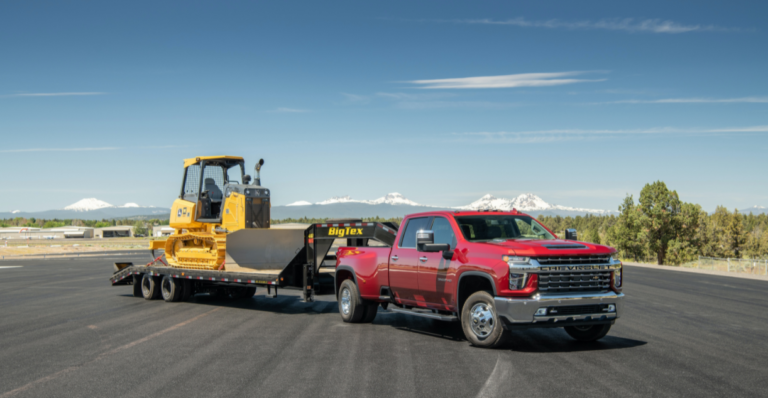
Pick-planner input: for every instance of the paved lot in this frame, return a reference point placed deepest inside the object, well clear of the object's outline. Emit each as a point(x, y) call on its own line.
point(66, 332)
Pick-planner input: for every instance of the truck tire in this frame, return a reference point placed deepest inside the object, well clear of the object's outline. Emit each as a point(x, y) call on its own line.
point(137, 286)
point(588, 333)
point(350, 306)
point(170, 288)
point(150, 287)
point(480, 321)
point(370, 312)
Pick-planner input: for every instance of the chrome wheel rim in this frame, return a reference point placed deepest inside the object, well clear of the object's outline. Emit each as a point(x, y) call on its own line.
point(481, 320)
point(346, 301)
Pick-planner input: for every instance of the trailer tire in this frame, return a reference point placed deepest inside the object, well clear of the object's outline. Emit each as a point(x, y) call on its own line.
point(137, 286)
point(588, 333)
point(480, 321)
point(370, 312)
point(150, 287)
point(350, 306)
point(187, 289)
point(170, 288)
point(250, 291)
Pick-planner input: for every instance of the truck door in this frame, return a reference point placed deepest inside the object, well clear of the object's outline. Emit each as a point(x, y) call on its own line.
point(437, 276)
point(404, 263)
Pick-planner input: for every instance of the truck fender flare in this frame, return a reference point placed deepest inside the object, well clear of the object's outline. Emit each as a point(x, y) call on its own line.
point(474, 273)
point(354, 279)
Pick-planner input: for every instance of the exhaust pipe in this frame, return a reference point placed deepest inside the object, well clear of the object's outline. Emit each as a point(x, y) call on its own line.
point(257, 181)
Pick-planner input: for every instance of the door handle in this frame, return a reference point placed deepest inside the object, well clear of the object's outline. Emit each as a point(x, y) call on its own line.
point(422, 259)
point(394, 258)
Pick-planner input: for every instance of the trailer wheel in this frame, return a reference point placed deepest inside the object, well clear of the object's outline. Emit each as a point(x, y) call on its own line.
point(170, 289)
point(350, 307)
point(588, 333)
point(137, 286)
point(250, 291)
point(481, 322)
point(370, 312)
point(187, 289)
point(150, 287)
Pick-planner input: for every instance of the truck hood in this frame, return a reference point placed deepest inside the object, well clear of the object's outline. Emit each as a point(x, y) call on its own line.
point(555, 247)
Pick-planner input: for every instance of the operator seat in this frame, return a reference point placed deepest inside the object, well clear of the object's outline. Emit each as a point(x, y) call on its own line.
point(213, 190)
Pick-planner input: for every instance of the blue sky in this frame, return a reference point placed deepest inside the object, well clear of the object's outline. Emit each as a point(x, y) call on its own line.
point(442, 101)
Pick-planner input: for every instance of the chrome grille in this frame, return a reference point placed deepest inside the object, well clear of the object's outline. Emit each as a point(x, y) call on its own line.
point(575, 282)
point(573, 260)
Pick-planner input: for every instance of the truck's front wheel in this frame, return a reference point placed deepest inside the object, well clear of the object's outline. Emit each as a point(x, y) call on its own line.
point(588, 333)
point(480, 321)
point(350, 307)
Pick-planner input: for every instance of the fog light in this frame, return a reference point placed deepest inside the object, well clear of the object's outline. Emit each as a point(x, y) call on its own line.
point(541, 311)
point(611, 308)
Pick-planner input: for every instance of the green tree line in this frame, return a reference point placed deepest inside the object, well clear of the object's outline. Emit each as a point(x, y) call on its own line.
point(661, 228)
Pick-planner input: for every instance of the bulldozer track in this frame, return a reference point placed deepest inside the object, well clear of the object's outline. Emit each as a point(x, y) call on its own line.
point(196, 250)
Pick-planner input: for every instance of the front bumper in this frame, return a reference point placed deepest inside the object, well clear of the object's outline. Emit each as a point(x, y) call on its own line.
point(521, 312)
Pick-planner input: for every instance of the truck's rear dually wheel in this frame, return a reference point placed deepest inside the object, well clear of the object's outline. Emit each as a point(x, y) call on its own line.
point(350, 306)
point(480, 321)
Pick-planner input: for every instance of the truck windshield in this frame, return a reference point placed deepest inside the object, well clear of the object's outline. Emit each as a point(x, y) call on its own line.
point(485, 228)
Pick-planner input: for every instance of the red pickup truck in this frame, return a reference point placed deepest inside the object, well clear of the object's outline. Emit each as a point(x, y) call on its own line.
point(492, 271)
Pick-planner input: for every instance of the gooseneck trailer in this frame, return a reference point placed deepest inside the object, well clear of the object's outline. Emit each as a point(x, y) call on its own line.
point(272, 258)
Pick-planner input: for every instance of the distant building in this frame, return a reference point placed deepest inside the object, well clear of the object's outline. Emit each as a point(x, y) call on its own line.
point(50, 233)
point(162, 230)
point(115, 231)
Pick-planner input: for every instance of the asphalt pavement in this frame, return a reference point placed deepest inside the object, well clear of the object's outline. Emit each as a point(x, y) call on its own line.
point(66, 332)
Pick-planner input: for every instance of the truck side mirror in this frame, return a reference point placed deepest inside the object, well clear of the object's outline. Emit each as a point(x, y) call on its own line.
point(570, 234)
point(424, 238)
point(425, 242)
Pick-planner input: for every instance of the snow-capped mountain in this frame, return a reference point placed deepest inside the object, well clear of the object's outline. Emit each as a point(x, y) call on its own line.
point(393, 198)
point(89, 204)
point(524, 202)
point(754, 210)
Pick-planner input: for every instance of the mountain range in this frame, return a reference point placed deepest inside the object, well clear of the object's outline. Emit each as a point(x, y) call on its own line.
point(390, 205)
point(396, 205)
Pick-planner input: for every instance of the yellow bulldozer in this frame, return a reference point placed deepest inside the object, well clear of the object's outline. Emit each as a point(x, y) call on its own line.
point(217, 198)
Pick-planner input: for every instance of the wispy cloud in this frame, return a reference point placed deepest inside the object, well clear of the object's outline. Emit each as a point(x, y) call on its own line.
point(416, 105)
point(615, 24)
point(54, 94)
point(505, 81)
point(544, 136)
point(59, 149)
point(754, 100)
point(89, 149)
point(289, 110)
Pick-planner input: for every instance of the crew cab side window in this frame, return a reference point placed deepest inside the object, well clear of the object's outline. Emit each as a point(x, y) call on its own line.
point(443, 232)
point(409, 236)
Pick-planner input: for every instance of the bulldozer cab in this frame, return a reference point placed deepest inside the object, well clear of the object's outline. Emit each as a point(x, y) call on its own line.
point(206, 182)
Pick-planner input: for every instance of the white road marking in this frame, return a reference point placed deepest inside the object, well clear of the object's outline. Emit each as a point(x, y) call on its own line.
point(11, 266)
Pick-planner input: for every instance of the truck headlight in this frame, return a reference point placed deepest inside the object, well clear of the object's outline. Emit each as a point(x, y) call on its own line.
point(517, 279)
